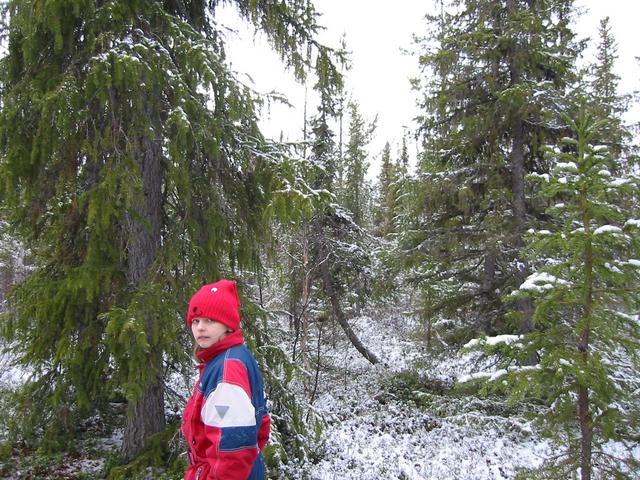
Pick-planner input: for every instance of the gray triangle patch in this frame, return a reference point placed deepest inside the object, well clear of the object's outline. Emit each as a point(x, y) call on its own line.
point(222, 410)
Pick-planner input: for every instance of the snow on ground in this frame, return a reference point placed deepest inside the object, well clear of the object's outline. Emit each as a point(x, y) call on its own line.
point(400, 419)
point(387, 422)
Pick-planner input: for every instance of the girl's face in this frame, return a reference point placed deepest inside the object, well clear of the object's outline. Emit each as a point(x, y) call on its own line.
point(208, 332)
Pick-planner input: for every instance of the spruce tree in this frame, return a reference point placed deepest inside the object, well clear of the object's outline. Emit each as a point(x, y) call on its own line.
point(133, 169)
point(494, 71)
point(330, 257)
point(403, 191)
point(354, 191)
point(386, 194)
point(585, 289)
point(604, 89)
point(318, 179)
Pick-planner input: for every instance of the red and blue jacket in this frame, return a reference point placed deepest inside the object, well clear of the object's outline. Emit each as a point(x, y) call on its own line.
point(226, 422)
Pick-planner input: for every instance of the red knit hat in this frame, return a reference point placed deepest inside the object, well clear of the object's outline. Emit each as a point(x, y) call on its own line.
point(216, 301)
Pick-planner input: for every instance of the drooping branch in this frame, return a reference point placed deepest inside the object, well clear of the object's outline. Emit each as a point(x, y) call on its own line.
point(331, 293)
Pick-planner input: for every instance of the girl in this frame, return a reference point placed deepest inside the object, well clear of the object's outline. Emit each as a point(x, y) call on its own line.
point(226, 422)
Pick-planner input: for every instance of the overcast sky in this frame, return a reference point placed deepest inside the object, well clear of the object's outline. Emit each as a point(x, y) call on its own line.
point(376, 34)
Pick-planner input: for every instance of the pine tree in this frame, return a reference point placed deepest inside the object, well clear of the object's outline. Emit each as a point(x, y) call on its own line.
point(402, 163)
point(498, 70)
point(315, 184)
point(585, 288)
point(133, 168)
point(386, 195)
point(340, 113)
point(604, 88)
point(354, 191)
point(316, 261)
point(402, 188)
point(332, 259)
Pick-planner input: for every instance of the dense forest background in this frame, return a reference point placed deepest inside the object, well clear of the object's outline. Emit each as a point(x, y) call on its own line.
point(470, 314)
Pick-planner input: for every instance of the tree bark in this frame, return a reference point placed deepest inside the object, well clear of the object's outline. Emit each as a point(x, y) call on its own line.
point(144, 232)
point(488, 282)
point(584, 414)
point(306, 295)
point(586, 432)
point(147, 419)
point(525, 306)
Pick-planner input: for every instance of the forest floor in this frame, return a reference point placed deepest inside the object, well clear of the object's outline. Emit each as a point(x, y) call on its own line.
point(403, 418)
point(399, 419)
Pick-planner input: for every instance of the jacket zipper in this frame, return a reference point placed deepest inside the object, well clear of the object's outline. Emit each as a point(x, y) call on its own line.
point(198, 474)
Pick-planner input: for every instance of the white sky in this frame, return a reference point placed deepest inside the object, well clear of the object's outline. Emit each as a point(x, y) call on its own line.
point(379, 78)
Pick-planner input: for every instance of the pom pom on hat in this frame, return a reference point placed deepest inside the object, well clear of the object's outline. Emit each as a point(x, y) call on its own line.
point(216, 301)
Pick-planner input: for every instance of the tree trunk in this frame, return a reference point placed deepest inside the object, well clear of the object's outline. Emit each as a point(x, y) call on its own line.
point(147, 419)
point(306, 296)
point(525, 306)
point(584, 415)
point(586, 431)
point(331, 293)
point(488, 282)
point(293, 299)
point(144, 232)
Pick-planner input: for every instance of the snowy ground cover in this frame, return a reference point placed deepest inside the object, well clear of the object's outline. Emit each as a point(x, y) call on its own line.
point(402, 419)
point(395, 420)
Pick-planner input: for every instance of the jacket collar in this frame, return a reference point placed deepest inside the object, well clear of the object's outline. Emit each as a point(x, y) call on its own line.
point(234, 339)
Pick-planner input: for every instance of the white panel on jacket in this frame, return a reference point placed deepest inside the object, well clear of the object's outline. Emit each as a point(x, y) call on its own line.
point(228, 406)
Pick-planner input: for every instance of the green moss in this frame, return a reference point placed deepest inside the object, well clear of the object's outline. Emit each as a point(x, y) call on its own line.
point(411, 386)
point(6, 448)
